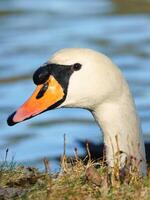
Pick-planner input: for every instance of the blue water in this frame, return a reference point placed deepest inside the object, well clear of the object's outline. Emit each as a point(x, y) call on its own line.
point(30, 31)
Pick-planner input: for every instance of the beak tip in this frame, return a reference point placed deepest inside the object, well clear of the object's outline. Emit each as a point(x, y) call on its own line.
point(10, 121)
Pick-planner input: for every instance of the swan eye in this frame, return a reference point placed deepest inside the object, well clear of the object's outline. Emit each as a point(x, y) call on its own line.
point(41, 75)
point(77, 66)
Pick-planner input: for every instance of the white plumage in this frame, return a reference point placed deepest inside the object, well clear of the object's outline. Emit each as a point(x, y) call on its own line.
point(101, 88)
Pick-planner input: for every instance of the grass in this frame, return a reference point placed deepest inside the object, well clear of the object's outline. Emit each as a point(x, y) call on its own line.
point(78, 179)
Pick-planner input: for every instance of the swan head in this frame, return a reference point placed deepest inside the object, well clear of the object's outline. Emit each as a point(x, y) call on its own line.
point(80, 78)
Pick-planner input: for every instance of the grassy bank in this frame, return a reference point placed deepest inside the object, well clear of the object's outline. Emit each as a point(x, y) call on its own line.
point(75, 181)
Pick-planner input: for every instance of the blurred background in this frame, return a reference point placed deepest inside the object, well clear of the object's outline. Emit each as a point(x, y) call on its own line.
point(30, 31)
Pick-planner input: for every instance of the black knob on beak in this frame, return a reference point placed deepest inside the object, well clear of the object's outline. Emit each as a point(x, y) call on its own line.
point(41, 75)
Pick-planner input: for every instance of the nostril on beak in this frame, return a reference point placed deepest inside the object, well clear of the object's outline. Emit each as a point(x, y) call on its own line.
point(42, 91)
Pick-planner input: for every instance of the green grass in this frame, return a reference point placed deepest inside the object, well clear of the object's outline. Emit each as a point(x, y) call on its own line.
point(75, 181)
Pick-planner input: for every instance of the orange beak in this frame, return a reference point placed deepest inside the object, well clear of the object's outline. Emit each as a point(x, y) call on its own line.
point(44, 97)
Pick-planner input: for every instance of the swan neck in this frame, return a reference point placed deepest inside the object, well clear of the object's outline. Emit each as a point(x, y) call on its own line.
point(121, 130)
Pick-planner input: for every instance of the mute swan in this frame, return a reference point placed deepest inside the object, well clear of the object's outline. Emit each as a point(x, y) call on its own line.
point(84, 78)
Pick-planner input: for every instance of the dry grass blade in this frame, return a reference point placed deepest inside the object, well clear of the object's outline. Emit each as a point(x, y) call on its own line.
point(77, 180)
